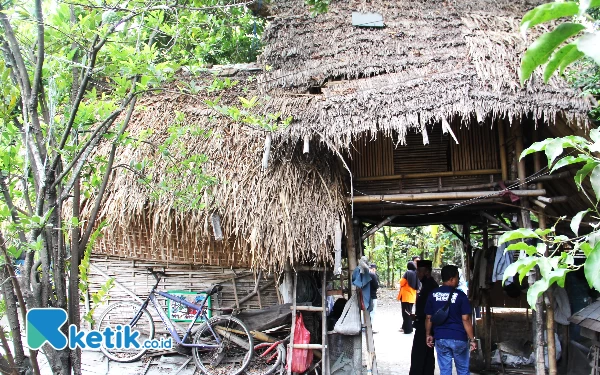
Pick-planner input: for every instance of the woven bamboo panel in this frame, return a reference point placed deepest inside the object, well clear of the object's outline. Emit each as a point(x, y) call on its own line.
point(416, 157)
point(372, 157)
point(133, 275)
point(136, 243)
point(477, 149)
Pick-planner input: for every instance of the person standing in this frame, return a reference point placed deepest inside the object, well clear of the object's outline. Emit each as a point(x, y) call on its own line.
point(454, 337)
point(409, 285)
point(374, 286)
point(422, 358)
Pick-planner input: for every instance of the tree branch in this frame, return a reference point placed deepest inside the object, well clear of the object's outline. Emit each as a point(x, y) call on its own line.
point(111, 159)
point(81, 157)
point(16, 53)
point(13, 210)
point(37, 77)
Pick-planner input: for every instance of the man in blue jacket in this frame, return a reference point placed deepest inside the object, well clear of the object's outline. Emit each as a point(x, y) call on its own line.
point(454, 337)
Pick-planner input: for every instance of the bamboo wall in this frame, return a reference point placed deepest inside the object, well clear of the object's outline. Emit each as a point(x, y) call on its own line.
point(372, 157)
point(139, 242)
point(133, 276)
point(478, 149)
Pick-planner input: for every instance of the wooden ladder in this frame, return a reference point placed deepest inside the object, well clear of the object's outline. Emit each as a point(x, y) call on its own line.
point(323, 311)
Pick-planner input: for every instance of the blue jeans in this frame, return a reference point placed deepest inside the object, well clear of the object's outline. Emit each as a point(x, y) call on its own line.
point(447, 349)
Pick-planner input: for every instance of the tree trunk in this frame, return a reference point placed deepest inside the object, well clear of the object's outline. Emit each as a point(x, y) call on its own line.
point(12, 315)
point(74, 312)
point(393, 269)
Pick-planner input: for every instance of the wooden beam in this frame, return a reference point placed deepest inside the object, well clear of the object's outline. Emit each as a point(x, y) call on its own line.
point(435, 196)
point(375, 228)
point(502, 144)
point(429, 174)
point(494, 220)
point(447, 226)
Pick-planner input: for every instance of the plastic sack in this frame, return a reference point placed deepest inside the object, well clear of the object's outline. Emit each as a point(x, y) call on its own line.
point(349, 323)
point(301, 358)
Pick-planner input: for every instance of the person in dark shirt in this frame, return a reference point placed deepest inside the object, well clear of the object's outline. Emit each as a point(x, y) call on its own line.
point(454, 337)
point(374, 286)
point(422, 359)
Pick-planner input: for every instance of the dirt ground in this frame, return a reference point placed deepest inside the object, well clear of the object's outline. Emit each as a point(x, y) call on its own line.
point(392, 347)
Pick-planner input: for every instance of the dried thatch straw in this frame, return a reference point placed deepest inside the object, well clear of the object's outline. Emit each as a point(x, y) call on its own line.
point(287, 212)
point(433, 60)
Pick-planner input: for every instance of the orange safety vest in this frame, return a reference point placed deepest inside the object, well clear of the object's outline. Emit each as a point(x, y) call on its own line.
point(406, 293)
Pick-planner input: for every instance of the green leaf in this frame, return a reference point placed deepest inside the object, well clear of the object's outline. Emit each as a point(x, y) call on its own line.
point(576, 221)
point(545, 266)
point(568, 160)
point(556, 59)
point(543, 232)
point(584, 171)
point(530, 250)
point(536, 147)
point(553, 150)
point(536, 290)
point(516, 235)
point(541, 49)
point(584, 5)
point(588, 44)
point(595, 180)
point(519, 267)
point(558, 276)
point(569, 58)
point(547, 12)
point(586, 248)
point(592, 268)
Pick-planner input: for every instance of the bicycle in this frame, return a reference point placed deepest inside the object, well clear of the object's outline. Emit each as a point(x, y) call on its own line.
point(268, 358)
point(221, 345)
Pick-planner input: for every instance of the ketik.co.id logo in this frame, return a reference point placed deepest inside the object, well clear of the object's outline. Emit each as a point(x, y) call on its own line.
point(44, 325)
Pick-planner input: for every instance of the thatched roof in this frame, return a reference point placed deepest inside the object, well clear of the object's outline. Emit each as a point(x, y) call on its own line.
point(433, 60)
point(288, 211)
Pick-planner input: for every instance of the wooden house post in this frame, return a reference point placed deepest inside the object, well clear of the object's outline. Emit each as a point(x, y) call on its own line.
point(351, 236)
point(538, 328)
point(488, 308)
point(502, 144)
point(552, 368)
point(288, 282)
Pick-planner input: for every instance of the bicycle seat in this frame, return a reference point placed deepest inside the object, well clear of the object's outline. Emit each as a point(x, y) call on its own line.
point(157, 274)
point(212, 290)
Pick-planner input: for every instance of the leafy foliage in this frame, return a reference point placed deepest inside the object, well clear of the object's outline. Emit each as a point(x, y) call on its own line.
point(392, 248)
point(69, 79)
point(554, 254)
point(544, 49)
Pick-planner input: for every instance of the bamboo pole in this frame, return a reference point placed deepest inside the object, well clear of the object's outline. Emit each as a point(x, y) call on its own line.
point(533, 277)
point(488, 308)
point(290, 345)
point(502, 144)
point(552, 368)
point(325, 349)
point(430, 174)
point(436, 196)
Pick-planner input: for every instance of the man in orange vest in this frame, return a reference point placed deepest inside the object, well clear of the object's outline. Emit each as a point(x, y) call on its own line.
point(409, 285)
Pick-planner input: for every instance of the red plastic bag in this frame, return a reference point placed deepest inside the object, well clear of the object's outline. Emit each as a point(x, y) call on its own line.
point(301, 358)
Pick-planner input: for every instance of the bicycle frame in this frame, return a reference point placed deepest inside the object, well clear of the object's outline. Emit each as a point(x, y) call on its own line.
point(169, 324)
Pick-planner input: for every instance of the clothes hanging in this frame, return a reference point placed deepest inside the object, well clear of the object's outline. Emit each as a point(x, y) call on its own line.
point(362, 280)
point(501, 263)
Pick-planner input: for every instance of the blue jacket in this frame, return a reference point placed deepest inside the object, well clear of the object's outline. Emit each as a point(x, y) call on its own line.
point(362, 281)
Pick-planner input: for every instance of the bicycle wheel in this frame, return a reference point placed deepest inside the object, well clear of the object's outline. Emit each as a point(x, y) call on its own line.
point(266, 360)
point(234, 346)
point(122, 314)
